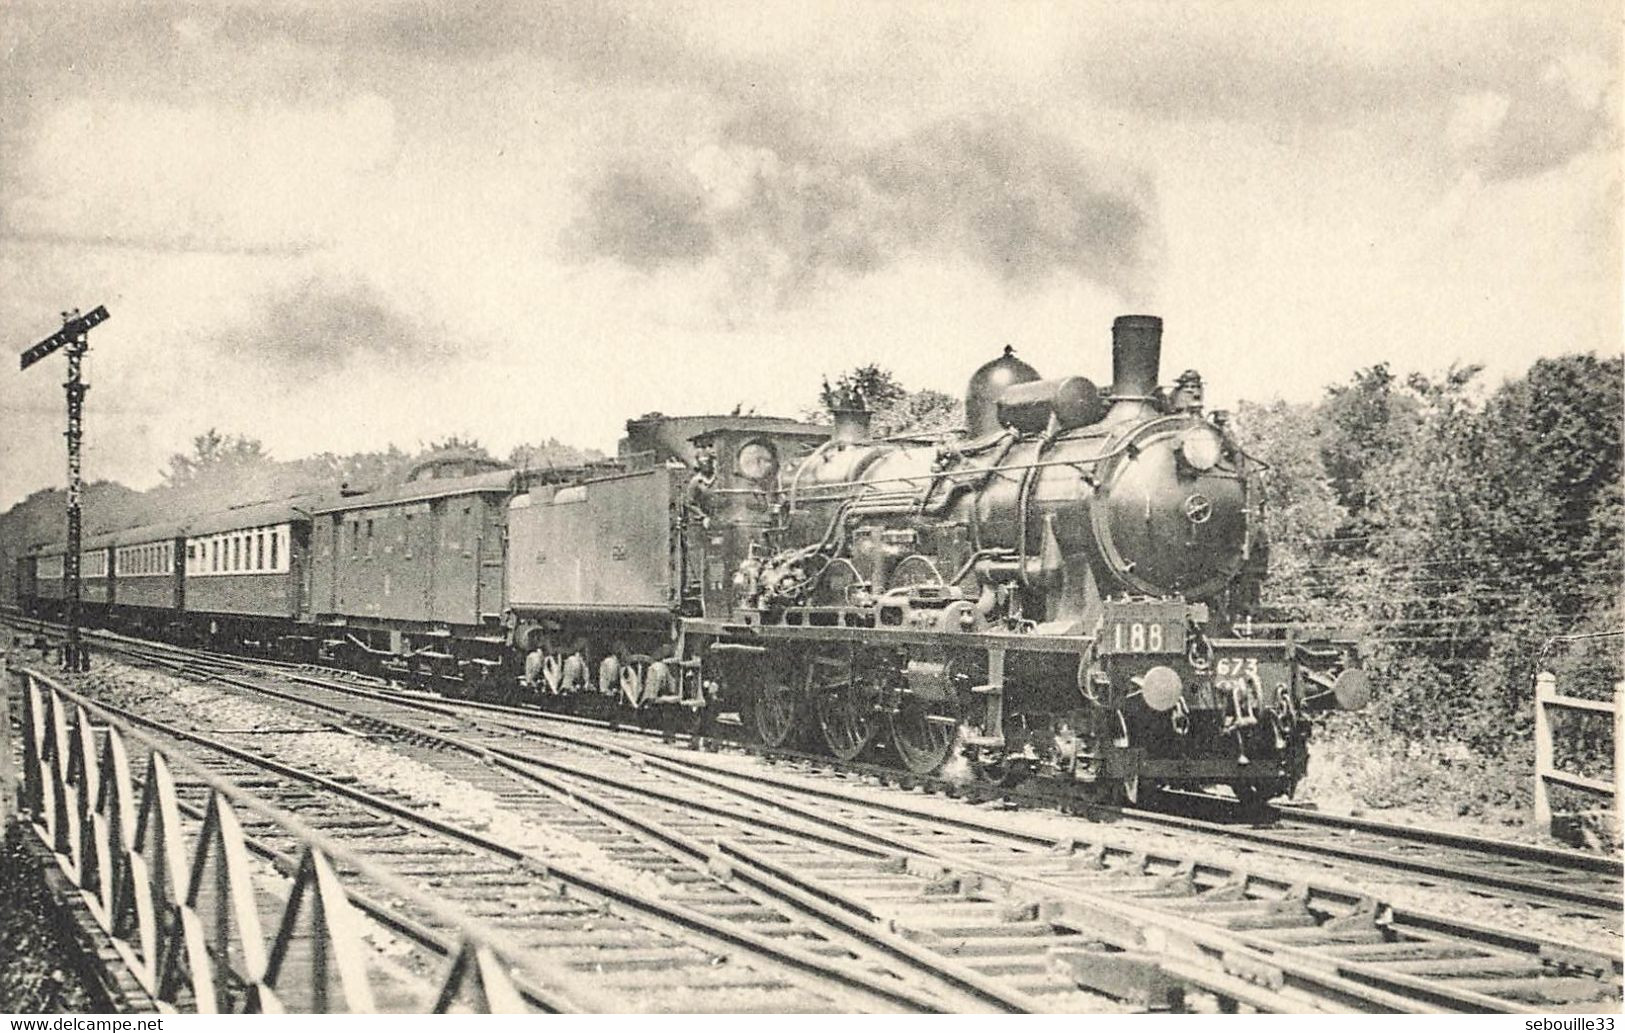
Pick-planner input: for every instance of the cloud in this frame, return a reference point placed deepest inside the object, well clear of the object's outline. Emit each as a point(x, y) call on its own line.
point(173, 175)
point(322, 324)
point(781, 210)
point(645, 219)
point(1540, 125)
point(1422, 74)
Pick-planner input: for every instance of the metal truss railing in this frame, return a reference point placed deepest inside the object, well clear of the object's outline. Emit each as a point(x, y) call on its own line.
point(184, 911)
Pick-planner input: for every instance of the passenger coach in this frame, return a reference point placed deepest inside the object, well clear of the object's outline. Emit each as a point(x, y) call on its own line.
point(244, 570)
point(412, 577)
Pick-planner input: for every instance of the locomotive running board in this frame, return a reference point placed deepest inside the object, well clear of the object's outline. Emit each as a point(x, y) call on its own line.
point(757, 633)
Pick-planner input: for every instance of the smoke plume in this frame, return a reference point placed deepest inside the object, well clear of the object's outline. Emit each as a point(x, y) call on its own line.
point(321, 325)
point(781, 215)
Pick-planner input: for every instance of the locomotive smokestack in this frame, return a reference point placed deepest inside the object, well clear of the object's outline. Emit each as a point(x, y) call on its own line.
point(1136, 356)
point(851, 425)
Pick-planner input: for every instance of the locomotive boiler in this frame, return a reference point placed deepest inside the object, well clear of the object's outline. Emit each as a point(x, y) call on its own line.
point(1054, 593)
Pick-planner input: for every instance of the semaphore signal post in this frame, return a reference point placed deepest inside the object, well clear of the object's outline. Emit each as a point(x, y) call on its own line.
point(75, 336)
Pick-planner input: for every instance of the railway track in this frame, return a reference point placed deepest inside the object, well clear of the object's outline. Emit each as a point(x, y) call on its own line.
point(1376, 957)
point(1415, 958)
point(750, 866)
point(1565, 883)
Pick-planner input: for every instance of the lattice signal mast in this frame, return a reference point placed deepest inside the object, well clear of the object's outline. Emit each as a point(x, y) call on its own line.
point(75, 336)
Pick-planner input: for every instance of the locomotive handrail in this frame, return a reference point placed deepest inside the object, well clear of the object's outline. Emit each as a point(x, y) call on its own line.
point(981, 471)
point(187, 922)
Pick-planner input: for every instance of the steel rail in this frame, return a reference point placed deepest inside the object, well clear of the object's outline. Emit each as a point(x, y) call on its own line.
point(554, 991)
point(1532, 888)
point(1412, 988)
point(682, 919)
point(1557, 857)
point(1415, 989)
point(1308, 975)
point(1215, 976)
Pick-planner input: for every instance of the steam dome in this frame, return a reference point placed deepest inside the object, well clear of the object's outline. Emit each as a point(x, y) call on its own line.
point(986, 384)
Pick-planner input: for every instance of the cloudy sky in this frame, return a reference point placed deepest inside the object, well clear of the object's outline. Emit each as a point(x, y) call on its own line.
point(338, 225)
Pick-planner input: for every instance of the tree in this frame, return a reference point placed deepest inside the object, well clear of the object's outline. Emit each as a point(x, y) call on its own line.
point(871, 388)
point(550, 453)
point(1364, 424)
point(1301, 510)
point(920, 412)
point(214, 456)
point(457, 443)
point(894, 409)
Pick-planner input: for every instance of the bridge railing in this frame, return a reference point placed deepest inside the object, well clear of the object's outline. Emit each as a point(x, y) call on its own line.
point(185, 907)
point(1547, 773)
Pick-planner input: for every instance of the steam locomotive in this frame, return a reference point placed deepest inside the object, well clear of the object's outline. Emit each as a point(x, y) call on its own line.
point(1062, 591)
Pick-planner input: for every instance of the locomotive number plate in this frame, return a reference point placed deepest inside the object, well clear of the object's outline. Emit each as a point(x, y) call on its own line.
point(1129, 635)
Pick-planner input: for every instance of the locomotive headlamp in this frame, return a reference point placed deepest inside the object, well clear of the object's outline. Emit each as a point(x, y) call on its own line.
point(1352, 689)
point(756, 461)
point(1160, 687)
point(1200, 448)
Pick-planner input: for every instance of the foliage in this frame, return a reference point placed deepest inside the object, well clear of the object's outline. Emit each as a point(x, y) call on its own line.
point(214, 456)
point(894, 409)
point(1460, 529)
point(870, 388)
point(550, 453)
